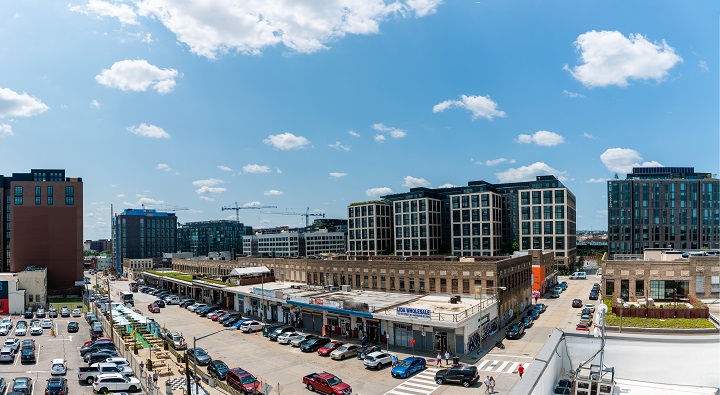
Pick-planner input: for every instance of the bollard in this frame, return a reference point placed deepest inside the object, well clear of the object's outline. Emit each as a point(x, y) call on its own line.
point(168, 388)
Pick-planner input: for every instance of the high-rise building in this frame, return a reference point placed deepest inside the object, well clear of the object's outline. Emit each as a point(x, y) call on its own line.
point(41, 231)
point(143, 233)
point(480, 219)
point(204, 237)
point(370, 228)
point(663, 207)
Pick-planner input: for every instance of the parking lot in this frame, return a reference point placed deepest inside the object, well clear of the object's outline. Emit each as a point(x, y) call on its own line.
point(48, 347)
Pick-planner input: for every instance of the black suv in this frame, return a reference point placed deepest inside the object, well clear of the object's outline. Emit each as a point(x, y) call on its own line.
point(29, 313)
point(315, 344)
point(516, 331)
point(466, 375)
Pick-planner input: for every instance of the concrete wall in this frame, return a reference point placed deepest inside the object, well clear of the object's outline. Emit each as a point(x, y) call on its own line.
point(35, 283)
point(16, 297)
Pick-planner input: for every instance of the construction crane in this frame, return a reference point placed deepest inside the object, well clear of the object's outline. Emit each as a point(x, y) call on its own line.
point(238, 208)
point(307, 214)
point(165, 208)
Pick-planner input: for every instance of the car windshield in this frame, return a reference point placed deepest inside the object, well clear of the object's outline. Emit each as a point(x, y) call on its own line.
point(301, 337)
point(221, 367)
point(330, 345)
point(404, 364)
point(343, 348)
point(334, 381)
point(54, 384)
point(27, 351)
point(516, 328)
point(248, 379)
point(57, 366)
point(200, 352)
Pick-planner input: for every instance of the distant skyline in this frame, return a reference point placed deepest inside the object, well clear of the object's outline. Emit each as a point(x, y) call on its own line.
point(305, 104)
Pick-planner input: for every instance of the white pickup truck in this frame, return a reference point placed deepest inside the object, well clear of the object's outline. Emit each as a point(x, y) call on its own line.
point(89, 373)
point(173, 299)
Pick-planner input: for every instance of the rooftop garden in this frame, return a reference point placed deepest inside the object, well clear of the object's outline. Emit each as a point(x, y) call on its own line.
point(612, 319)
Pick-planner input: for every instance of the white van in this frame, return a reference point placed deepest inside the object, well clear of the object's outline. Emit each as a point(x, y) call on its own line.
point(578, 276)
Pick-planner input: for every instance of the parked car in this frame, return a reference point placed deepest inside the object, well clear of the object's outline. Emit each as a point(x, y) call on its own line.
point(199, 355)
point(540, 307)
point(327, 383)
point(466, 375)
point(4, 329)
point(534, 314)
point(153, 308)
point(58, 366)
point(269, 328)
point(231, 321)
point(29, 343)
point(252, 326)
point(29, 313)
point(177, 341)
point(367, 350)
point(40, 313)
point(593, 295)
point(273, 336)
point(91, 358)
point(527, 321)
point(47, 323)
point(377, 360)
point(586, 319)
point(73, 327)
point(52, 313)
point(77, 313)
point(89, 317)
point(329, 347)
point(345, 351)
point(577, 303)
point(3, 385)
point(21, 329)
point(97, 346)
point(582, 327)
point(216, 315)
point(23, 385)
point(287, 337)
point(239, 322)
point(242, 381)
point(187, 302)
point(298, 342)
point(515, 332)
point(196, 306)
point(56, 386)
point(564, 285)
point(314, 344)
point(115, 382)
point(64, 312)
point(407, 367)
point(27, 355)
point(218, 369)
point(558, 289)
point(13, 343)
point(555, 294)
point(590, 307)
point(7, 354)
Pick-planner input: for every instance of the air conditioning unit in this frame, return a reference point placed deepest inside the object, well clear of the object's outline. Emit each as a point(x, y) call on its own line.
point(346, 288)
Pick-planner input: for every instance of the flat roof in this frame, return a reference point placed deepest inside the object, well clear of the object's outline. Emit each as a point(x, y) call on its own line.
point(632, 387)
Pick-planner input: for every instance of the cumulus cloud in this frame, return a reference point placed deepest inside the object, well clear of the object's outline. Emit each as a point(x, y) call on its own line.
point(573, 95)
point(374, 192)
point(588, 135)
point(528, 173)
point(213, 190)
point(412, 182)
point(121, 196)
point(379, 138)
point(610, 58)
point(138, 76)
point(273, 192)
point(142, 199)
point(354, 133)
point(207, 198)
point(287, 141)
point(495, 162)
point(123, 12)
point(703, 66)
point(447, 186)
point(255, 169)
point(224, 168)
point(622, 160)
point(339, 146)
point(6, 130)
point(393, 132)
point(13, 104)
point(252, 204)
point(212, 28)
point(209, 182)
point(597, 180)
point(163, 167)
point(479, 106)
point(150, 131)
point(95, 105)
point(338, 175)
point(542, 138)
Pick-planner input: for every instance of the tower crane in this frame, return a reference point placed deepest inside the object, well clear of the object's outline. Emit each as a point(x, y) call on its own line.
point(238, 208)
point(307, 214)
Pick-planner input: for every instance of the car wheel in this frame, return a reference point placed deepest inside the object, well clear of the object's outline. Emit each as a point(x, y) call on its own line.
point(132, 388)
point(439, 381)
point(90, 380)
point(103, 390)
point(466, 384)
point(309, 387)
point(342, 357)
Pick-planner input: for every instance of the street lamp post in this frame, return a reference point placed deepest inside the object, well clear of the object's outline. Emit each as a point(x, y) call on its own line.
point(187, 371)
point(112, 335)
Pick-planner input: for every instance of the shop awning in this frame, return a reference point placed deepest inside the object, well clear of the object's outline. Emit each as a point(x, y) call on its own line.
point(249, 271)
point(330, 309)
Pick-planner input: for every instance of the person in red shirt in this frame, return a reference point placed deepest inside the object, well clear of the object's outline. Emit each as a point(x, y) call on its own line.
point(521, 370)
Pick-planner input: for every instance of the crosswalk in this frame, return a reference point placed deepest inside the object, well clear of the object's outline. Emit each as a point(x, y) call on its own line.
point(422, 383)
point(500, 366)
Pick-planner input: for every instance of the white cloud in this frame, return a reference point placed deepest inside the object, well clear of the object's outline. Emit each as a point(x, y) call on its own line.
point(209, 182)
point(597, 180)
point(412, 182)
point(479, 106)
point(95, 105)
point(163, 166)
point(150, 131)
point(378, 191)
point(602, 212)
point(13, 104)
point(379, 138)
point(206, 189)
point(393, 132)
point(703, 66)
point(588, 135)
point(273, 192)
point(528, 173)
point(354, 133)
point(6, 130)
point(212, 28)
point(542, 138)
point(138, 76)
point(278, 170)
point(252, 204)
point(286, 141)
point(573, 95)
point(255, 169)
point(121, 196)
point(622, 160)
point(610, 58)
point(224, 168)
point(339, 146)
point(495, 162)
point(123, 12)
point(338, 175)
point(447, 186)
point(207, 198)
point(142, 199)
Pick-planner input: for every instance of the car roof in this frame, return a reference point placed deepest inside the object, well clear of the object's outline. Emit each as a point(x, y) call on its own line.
point(109, 375)
point(57, 360)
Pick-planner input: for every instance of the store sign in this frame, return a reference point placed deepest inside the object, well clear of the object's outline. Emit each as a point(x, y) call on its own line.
point(4, 301)
point(413, 312)
point(267, 292)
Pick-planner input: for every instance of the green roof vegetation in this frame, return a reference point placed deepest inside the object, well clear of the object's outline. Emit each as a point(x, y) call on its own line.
point(175, 275)
point(209, 280)
point(368, 202)
point(640, 322)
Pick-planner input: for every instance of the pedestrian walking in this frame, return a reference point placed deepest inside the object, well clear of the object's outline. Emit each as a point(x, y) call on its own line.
point(439, 359)
point(487, 384)
point(521, 370)
point(394, 360)
point(447, 357)
point(536, 298)
point(492, 385)
point(364, 340)
point(155, 378)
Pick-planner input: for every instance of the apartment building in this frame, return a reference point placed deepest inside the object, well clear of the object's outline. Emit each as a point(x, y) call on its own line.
point(143, 233)
point(39, 230)
point(370, 228)
point(663, 207)
point(204, 237)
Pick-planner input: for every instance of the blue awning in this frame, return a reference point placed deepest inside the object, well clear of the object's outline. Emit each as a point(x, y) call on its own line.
point(331, 309)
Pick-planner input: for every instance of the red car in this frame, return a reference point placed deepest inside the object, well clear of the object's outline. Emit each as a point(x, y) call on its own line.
point(329, 347)
point(242, 381)
point(577, 303)
point(582, 327)
point(217, 315)
point(153, 308)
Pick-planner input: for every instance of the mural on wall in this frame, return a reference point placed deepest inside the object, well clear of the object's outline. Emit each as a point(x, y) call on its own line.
point(4, 298)
point(487, 329)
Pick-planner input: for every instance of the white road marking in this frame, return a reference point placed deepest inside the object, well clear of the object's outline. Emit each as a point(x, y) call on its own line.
point(422, 383)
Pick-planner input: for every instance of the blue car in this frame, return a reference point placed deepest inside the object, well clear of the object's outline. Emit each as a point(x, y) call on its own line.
point(407, 367)
point(240, 322)
point(534, 314)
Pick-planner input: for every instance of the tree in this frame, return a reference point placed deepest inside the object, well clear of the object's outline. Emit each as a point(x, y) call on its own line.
point(515, 246)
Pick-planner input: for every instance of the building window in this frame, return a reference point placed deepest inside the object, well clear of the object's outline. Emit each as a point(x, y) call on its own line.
point(443, 285)
point(699, 284)
point(38, 195)
point(609, 287)
point(18, 196)
point(466, 285)
point(432, 284)
point(401, 285)
point(411, 285)
point(69, 196)
point(715, 284)
point(454, 284)
point(639, 287)
point(49, 195)
point(422, 285)
point(392, 282)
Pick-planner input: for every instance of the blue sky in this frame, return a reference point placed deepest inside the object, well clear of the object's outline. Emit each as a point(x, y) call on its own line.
point(318, 104)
